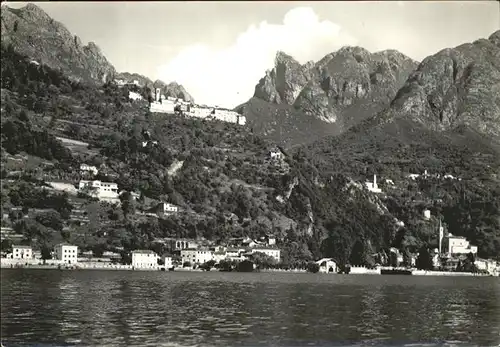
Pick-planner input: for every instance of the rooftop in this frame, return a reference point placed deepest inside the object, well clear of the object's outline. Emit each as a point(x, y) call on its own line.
point(265, 248)
point(21, 246)
point(143, 251)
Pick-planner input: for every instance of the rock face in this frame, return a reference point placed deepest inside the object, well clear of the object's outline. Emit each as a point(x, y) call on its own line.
point(283, 83)
point(33, 33)
point(455, 88)
point(343, 88)
point(445, 118)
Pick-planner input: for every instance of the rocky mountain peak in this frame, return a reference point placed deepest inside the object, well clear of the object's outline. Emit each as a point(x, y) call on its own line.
point(351, 81)
point(454, 87)
point(33, 33)
point(283, 58)
point(35, 12)
point(495, 38)
point(284, 82)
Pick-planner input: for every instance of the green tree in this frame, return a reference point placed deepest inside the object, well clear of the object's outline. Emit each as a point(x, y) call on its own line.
point(6, 245)
point(46, 253)
point(312, 267)
point(424, 259)
point(245, 266)
point(50, 219)
point(128, 204)
point(263, 261)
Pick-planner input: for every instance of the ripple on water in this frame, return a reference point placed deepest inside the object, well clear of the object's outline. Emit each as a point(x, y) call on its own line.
point(115, 309)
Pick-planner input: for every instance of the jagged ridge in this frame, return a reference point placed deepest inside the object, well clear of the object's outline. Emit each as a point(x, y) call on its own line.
point(35, 34)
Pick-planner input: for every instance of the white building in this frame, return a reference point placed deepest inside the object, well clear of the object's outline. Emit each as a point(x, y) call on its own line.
point(459, 245)
point(271, 240)
point(66, 253)
point(165, 207)
point(84, 168)
point(22, 252)
point(180, 244)
point(170, 105)
point(275, 154)
point(327, 265)
point(196, 256)
point(134, 96)
point(144, 259)
point(270, 251)
point(100, 190)
point(219, 255)
point(167, 262)
point(427, 214)
point(373, 186)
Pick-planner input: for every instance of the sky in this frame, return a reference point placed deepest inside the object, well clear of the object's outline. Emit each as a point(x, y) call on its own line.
point(219, 50)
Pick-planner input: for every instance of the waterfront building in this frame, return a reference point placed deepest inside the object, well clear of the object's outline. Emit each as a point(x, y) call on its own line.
point(459, 245)
point(144, 259)
point(22, 252)
point(66, 253)
point(269, 251)
point(167, 262)
point(327, 265)
point(196, 256)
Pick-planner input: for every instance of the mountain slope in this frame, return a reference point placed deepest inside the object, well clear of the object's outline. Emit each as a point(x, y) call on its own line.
point(448, 110)
point(341, 89)
point(33, 33)
point(456, 87)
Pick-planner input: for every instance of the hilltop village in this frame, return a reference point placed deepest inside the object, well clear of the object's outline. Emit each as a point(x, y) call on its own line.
point(171, 105)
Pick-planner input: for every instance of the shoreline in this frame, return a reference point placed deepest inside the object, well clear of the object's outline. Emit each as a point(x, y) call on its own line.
point(79, 267)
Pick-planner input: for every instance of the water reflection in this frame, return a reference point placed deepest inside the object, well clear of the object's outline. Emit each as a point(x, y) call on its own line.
point(203, 309)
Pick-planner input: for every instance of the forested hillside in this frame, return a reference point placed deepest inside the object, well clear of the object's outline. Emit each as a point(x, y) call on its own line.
point(224, 181)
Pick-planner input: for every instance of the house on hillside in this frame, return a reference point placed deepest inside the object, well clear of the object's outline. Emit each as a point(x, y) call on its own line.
point(276, 154)
point(100, 190)
point(427, 214)
point(373, 186)
point(270, 239)
point(165, 208)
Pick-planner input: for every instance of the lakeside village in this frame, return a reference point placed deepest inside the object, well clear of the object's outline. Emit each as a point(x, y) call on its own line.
point(455, 253)
point(241, 254)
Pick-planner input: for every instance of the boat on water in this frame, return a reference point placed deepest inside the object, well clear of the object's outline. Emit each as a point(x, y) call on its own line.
point(395, 271)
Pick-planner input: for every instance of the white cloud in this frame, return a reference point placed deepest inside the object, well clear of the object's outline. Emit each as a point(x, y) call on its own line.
point(227, 77)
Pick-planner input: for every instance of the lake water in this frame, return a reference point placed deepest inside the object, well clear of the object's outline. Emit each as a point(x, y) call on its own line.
point(123, 308)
